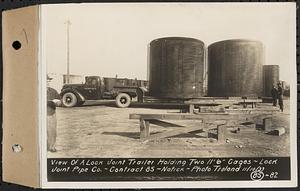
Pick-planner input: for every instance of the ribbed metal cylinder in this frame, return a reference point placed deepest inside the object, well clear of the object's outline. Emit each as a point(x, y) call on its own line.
point(235, 68)
point(271, 77)
point(176, 68)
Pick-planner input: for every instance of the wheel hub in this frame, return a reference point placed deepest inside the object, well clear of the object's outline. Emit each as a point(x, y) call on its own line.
point(68, 99)
point(123, 100)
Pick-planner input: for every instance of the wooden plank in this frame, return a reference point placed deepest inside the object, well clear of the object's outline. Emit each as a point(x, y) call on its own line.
point(212, 98)
point(223, 101)
point(174, 132)
point(278, 131)
point(254, 110)
point(144, 128)
point(191, 108)
point(160, 104)
point(222, 131)
point(163, 123)
point(175, 116)
point(267, 123)
point(215, 100)
point(199, 116)
point(252, 100)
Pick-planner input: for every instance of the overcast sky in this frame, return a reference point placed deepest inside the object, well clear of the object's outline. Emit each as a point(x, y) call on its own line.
point(110, 39)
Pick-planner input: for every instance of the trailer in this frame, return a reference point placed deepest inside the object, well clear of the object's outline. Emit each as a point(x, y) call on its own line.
point(125, 91)
point(204, 104)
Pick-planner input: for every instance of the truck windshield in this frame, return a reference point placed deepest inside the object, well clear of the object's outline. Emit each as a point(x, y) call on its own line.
point(91, 82)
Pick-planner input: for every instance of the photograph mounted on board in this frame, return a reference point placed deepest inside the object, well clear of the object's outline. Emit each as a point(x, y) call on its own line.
point(194, 92)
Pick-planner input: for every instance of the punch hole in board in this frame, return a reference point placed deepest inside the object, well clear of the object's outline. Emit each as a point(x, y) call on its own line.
point(17, 148)
point(16, 45)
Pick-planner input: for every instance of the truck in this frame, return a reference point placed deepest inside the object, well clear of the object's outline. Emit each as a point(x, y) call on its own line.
point(122, 90)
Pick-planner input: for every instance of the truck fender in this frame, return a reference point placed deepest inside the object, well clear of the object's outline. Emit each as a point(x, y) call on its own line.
point(131, 93)
point(141, 93)
point(78, 95)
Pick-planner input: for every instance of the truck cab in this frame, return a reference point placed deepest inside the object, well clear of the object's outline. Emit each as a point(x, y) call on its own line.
point(96, 88)
point(93, 88)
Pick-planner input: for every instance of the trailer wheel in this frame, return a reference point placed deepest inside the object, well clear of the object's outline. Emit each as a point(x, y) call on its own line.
point(123, 100)
point(69, 99)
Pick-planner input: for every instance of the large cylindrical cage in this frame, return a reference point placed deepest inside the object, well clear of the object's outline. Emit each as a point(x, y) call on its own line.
point(235, 68)
point(176, 68)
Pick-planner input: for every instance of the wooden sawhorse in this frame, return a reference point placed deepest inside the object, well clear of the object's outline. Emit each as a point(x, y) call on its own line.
point(157, 119)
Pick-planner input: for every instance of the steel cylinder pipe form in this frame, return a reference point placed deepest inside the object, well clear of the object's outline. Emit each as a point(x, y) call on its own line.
point(176, 68)
point(270, 78)
point(235, 68)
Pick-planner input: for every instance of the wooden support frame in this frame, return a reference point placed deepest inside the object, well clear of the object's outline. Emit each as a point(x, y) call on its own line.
point(144, 128)
point(157, 119)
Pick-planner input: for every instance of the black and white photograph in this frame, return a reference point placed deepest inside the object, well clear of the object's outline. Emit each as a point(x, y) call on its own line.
point(159, 92)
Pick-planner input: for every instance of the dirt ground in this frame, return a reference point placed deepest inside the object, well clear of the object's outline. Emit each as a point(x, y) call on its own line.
point(99, 129)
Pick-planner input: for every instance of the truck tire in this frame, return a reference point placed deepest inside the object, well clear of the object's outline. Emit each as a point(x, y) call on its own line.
point(123, 100)
point(69, 99)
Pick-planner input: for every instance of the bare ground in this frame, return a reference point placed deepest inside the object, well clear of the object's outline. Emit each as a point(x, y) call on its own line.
point(103, 131)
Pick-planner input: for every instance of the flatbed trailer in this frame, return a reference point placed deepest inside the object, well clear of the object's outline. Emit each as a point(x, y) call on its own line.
point(221, 103)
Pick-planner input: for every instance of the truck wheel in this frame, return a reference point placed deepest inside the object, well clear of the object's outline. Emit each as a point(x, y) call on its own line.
point(69, 99)
point(123, 100)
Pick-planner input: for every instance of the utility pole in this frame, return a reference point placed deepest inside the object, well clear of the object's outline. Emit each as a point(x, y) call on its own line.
point(68, 23)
